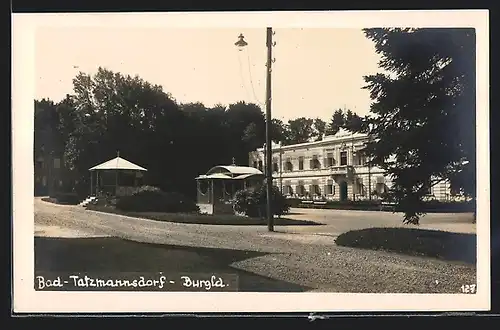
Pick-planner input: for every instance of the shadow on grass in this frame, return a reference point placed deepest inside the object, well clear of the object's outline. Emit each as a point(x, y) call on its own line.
point(110, 254)
point(414, 241)
point(204, 219)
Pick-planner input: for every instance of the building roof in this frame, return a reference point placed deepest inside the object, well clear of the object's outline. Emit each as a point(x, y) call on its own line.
point(344, 133)
point(341, 136)
point(118, 163)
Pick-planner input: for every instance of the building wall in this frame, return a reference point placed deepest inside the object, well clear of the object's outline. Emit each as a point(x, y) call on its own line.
point(327, 165)
point(48, 175)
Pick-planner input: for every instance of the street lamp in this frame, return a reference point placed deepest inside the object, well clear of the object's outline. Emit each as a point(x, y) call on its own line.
point(269, 170)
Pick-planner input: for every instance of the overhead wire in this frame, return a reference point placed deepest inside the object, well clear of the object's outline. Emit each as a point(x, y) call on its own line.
point(251, 80)
point(241, 75)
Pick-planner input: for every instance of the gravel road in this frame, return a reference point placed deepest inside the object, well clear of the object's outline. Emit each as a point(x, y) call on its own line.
point(304, 259)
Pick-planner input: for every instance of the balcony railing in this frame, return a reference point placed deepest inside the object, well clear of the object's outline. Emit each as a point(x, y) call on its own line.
point(338, 169)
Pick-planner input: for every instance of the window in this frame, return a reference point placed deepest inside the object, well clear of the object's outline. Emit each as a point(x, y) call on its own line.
point(300, 189)
point(343, 158)
point(301, 163)
point(314, 189)
point(260, 165)
point(255, 164)
point(289, 165)
point(57, 162)
point(359, 187)
point(359, 159)
point(275, 167)
point(380, 188)
point(330, 161)
point(329, 189)
point(314, 163)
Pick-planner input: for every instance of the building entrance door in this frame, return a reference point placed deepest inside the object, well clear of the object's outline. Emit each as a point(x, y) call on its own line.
point(343, 191)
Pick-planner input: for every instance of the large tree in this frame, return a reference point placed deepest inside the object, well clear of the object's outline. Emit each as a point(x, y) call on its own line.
point(278, 131)
point(113, 113)
point(319, 129)
point(300, 130)
point(422, 120)
point(337, 121)
point(247, 130)
point(47, 138)
point(353, 122)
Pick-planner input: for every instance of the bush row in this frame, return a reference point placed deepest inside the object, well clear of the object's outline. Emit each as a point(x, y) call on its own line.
point(65, 198)
point(375, 205)
point(152, 199)
point(251, 202)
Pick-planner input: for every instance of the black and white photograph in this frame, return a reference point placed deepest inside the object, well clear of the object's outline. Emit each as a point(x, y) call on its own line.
point(251, 162)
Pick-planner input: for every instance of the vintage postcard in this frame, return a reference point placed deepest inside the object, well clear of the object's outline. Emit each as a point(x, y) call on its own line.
point(251, 162)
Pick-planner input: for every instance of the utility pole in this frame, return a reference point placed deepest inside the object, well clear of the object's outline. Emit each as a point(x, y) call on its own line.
point(280, 168)
point(369, 171)
point(267, 148)
point(269, 169)
point(354, 178)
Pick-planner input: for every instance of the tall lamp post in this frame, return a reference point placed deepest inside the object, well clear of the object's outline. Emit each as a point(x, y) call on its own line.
point(269, 170)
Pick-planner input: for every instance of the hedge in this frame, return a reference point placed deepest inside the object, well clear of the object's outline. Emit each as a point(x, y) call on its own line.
point(152, 199)
point(375, 205)
point(64, 198)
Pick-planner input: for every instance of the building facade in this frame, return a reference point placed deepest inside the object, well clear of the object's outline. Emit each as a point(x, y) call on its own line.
point(331, 169)
point(48, 174)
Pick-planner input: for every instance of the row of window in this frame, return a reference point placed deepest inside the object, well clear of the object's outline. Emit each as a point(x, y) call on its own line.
point(40, 163)
point(329, 189)
point(314, 163)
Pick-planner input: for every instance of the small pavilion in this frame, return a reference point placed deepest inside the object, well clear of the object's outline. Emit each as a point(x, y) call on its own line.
point(115, 177)
point(218, 186)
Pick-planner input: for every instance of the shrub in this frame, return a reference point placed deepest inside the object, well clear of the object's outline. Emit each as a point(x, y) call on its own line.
point(252, 202)
point(152, 199)
point(413, 241)
point(65, 198)
point(148, 188)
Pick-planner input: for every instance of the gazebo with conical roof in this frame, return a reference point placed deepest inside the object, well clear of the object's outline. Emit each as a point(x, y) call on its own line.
point(116, 177)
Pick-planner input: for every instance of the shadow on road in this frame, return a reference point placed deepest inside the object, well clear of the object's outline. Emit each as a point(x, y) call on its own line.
point(110, 254)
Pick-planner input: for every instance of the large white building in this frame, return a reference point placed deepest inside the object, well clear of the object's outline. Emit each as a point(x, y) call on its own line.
point(331, 169)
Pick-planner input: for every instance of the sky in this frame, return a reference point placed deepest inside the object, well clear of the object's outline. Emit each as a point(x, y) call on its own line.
point(316, 70)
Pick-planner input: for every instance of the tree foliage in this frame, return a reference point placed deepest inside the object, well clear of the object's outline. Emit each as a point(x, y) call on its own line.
point(319, 126)
point(110, 112)
point(252, 202)
point(423, 112)
point(336, 122)
point(300, 130)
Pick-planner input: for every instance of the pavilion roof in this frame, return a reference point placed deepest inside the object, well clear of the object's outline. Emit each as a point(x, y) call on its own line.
point(118, 163)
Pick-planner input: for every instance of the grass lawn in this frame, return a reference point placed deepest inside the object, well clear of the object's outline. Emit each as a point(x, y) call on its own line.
point(414, 241)
point(203, 219)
